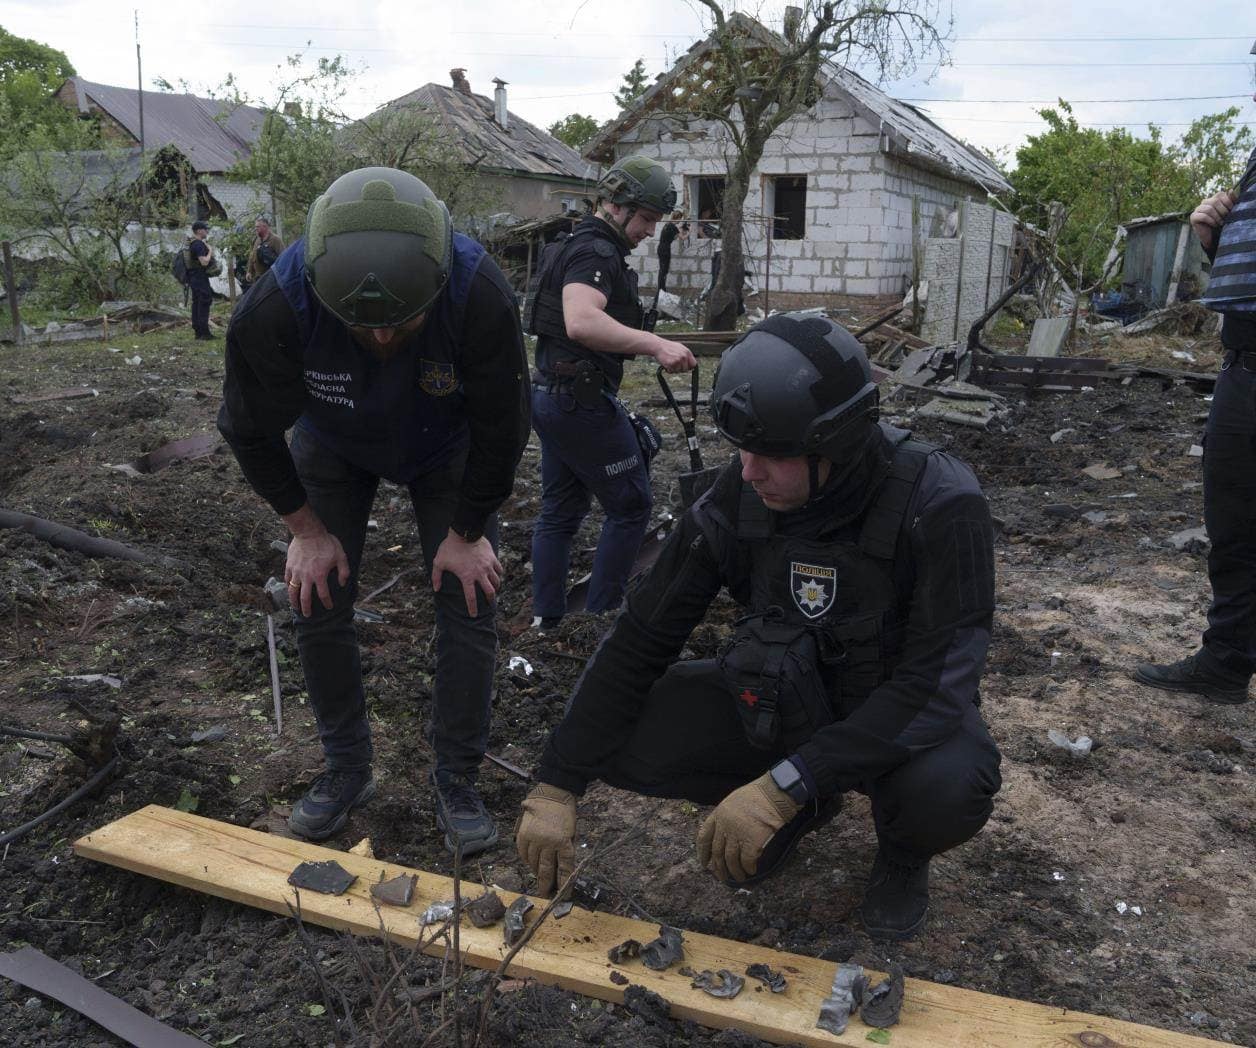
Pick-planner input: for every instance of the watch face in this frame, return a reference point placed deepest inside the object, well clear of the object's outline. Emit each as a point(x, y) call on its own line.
point(785, 775)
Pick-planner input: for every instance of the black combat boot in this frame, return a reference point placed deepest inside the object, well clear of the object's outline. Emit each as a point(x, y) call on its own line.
point(1193, 674)
point(897, 898)
point(324, 809)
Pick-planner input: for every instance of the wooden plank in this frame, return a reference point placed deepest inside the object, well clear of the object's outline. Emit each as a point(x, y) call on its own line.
point(249, 867)
point(1051, 363)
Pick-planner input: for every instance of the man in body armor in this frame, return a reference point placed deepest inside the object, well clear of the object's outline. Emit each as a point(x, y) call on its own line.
point(864, 562)
point(392, 347)
point(588, 318)
point(1223, 666)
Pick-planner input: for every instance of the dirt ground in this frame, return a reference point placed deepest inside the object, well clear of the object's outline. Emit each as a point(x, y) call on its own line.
point(1120, 884)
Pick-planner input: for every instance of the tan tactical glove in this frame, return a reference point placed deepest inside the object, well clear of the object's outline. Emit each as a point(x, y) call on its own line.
point(732, 837)
point(546, 836)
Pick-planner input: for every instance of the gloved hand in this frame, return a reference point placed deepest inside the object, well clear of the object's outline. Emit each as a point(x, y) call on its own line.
point(732, 837)
point(545, 836)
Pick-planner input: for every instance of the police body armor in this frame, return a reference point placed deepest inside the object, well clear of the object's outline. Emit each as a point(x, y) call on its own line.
point(828, 617)
point(546, 319)
point(1232, 281)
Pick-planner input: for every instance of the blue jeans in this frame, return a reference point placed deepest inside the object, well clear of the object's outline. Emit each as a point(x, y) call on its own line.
point(586, 453)
point(1230, 517)
point(341, 495)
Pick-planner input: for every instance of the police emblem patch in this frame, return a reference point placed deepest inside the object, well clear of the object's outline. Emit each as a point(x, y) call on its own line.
point(813, 587)
point(437, 378)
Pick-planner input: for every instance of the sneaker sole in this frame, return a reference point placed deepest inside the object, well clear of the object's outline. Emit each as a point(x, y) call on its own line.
point(469, 848)
point(321, 833)
point(895, 934)
point(1226, 697)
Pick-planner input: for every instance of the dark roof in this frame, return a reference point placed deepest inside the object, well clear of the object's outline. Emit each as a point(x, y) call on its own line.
point(912, 136)
point(211, 133)
point(519, 148)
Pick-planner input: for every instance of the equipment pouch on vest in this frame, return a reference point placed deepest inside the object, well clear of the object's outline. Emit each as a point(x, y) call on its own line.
point(586, 387)
point(772, 668)
point(649, 440)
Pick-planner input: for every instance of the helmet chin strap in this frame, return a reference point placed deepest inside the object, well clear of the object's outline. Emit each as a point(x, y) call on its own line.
point(621, 227)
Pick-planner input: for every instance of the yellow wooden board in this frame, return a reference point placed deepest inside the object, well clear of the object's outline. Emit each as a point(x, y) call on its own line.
point(250, 867)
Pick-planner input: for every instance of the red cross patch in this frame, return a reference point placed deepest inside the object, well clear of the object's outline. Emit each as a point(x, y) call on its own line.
point(748, 697)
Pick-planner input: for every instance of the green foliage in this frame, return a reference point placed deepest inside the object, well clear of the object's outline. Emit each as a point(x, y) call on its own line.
point(1104, 178)
point(633, 87)
point(575, 130)
point(29, 73)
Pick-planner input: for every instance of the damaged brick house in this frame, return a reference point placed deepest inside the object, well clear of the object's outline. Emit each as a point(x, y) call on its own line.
point(834, 191)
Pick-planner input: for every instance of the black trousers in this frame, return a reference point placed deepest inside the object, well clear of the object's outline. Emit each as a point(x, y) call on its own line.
point(665, 265)
point(1230, 517)
point(202, 297)
point(689, 744)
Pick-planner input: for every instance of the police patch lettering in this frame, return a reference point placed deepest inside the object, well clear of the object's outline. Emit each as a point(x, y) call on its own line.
point(813, 586)
point(437, 378)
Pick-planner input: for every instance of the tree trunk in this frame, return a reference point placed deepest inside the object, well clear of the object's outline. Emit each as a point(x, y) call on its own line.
point(725, 295)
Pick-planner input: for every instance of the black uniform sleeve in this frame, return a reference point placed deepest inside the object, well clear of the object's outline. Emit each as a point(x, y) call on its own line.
point(593, 262)
point(948, 631)
point(494, 368)
point(658, 616)
point(264, 393)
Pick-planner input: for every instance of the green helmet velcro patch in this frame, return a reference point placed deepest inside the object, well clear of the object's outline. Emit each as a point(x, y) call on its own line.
point(379, 210)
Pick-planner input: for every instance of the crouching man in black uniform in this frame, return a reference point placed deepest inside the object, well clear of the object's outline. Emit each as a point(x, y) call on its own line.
point(864, 560)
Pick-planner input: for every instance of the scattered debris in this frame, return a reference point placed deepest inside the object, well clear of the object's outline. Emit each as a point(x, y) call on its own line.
point(396, 891)
point(975, 413)
point(276, 696)
point(561, 909)
point(1123, 908)
point(849, 985)
point(363, 848)
point(1060, 434)
point(215, 734)
point(1079, 747)
point(512, 926)
point(619, 979)
point(95, 678)
point(883, 1003)
point(1102, 471)
point(89, 545)
point(627, 950)
point(326, 878)
point(519, 668)
point(661, 953)
point(770, 978)
point(1195, 451)
point(76, 393)
point(1192, 540)
point(487, 910)
point(505, 765)
point(437, 913)
point(278, 592)
point(1049, 336)
point(185, 450)
point(718, 984)
point(586, 893)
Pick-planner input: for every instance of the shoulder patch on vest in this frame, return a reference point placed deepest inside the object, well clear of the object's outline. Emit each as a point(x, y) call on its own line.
point(604, 248)
point(437, 378)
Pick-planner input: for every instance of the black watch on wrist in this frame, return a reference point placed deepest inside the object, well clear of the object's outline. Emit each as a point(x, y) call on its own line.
point(789, 780)
point(467, 533)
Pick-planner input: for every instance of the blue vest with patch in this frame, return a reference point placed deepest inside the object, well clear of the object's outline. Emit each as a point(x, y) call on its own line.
point(399, 418)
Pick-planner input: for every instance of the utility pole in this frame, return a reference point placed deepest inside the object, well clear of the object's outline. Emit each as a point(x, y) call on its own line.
point(139, 77)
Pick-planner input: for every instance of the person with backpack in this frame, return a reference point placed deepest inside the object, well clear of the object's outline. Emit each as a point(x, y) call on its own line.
point(587, 318)
point(864, 562)
point(265, 250)
point(200, 259)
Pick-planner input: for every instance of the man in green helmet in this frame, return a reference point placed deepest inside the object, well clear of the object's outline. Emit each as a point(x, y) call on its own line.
point(391, 346)
point(587, 319)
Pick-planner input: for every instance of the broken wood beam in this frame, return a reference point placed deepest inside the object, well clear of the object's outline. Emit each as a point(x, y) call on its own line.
point(877, 321)
point(252, 868)
point(66, 537)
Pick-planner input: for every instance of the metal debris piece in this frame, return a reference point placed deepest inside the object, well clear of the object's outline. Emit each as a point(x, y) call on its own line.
point(215, 734)
point(585, 893)
point(718, 984)
point(884, 1001)
point(664, 951)
point(619, 978)
point(437, 913)
point(326, 878)
point(849, 984)
point(512, 926)
point(1078, 748)
point(276, 695)
point(488, 909)
point(770, 978)
point(561, 909)
point(397, 891)
point(625, 951)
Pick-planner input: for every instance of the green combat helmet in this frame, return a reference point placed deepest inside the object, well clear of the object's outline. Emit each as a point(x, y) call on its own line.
point(378, 247)
point(637, 181)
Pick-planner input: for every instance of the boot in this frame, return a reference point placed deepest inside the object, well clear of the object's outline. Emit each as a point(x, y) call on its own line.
point(324, 809)
point(1193, 674)
point(461, 816)
point(897, 898)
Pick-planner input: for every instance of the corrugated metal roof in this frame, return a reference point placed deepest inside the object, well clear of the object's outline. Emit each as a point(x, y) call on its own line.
point(519, 147)
point(911, 135)
point(211, 133)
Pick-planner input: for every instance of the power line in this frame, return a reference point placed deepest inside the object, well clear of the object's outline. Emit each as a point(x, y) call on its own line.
point(1085, 65)
point(1075, 101)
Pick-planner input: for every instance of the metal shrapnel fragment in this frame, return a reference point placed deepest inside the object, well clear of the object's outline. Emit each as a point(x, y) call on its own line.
point(625, 951)
point(770, 978)
point(849, 984)
point(585, 893)
point(437, 913)
point(884, 1001)
point(718, 984)
point(512, 927)
point(397, 891)
point(619, 978)
point(326, 878)
point(561, 909)
point(488, 909)
point(664, 951)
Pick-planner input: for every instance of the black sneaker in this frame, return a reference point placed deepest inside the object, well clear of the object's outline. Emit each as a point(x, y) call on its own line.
point(781, 845)
point(461, 816)
point(897, 898)
point(324, 809)
point(1192, 675)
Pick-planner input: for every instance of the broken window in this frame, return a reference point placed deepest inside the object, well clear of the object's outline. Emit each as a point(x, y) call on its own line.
point(787, 199)
point(709, 196)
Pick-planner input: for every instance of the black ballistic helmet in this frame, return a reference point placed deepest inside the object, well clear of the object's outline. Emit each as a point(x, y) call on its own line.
point(795, 386)
point(378, 247)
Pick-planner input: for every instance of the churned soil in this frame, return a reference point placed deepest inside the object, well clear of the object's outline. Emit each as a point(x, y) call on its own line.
point(1122, 883)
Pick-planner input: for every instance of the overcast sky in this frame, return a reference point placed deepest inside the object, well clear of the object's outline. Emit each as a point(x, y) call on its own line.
point(565, 56)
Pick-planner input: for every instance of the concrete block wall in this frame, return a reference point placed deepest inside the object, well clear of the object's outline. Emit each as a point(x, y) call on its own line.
point(243, 201)
point(966, 273)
